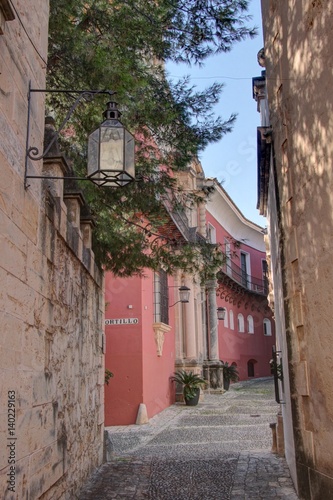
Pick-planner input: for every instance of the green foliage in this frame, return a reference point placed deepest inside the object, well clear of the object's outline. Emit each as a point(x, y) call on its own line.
point(121, 45)
point(277, 368)
point(230, 372)
point(132, 234)
point(190, 382)
point(108, 375)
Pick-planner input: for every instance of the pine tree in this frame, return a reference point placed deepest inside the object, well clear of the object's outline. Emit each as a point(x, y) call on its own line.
point(122, 45)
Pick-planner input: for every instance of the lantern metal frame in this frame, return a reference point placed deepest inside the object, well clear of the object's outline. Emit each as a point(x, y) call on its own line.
point(33, 153)
point(184, 293)
point(112, 139)
point(221, 313)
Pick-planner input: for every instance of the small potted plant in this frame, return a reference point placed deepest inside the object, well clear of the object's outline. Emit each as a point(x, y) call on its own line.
point(230, 374)
point(191, 383)
point(276, 369)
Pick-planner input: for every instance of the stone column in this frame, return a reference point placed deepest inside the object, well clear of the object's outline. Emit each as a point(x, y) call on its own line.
point(212, 318)
point(190, 330)
point(179, 324)
point(213, 372)
point(204, 324)
point(202, 219)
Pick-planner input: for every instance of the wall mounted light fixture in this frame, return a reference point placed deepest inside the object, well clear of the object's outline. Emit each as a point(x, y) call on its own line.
point(220, 313)
point(110, 146)
point(184, 295)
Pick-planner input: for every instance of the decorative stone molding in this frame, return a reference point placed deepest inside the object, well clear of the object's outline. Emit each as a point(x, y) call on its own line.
point(213, 373)
point(211, 286)
point(261, 58)
point(66, 206)
point(241, 297)
point(160, 330)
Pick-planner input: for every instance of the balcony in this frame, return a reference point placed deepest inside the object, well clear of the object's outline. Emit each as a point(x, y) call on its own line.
point(179, 218)
point(237, 279)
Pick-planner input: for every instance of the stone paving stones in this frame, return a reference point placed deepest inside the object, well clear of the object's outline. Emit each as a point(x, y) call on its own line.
point(213, 420)
point(260, 476)
point(123, 479)
point(218, 450)
point(192, 479)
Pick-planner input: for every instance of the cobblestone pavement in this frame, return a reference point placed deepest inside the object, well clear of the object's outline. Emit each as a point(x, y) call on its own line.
point(218, 450)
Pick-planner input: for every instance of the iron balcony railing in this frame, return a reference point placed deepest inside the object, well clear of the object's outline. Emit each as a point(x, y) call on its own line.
point(230, 269)
point(240, 276)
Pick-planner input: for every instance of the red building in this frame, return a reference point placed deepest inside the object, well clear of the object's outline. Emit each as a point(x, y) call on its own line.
point(247, 333)
point(141, 358)
point(150, 333)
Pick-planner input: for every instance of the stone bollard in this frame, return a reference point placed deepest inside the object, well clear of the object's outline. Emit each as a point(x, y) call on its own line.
point(142, 417)
point(107, 448)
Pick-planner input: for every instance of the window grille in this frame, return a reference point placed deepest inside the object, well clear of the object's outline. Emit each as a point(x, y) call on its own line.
point(161, 297)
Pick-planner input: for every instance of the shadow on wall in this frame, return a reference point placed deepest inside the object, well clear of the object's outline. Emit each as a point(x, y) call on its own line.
point(299, 71)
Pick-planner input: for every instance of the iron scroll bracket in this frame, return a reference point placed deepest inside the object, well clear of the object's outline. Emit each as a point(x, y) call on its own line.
point(32, 152)
point(277, 373)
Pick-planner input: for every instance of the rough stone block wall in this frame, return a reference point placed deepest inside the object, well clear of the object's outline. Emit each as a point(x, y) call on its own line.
point(299, 62)
point(51, 296)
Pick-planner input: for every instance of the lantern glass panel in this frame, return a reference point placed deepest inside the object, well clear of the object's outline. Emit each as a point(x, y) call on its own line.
point(129, 153)
point(112, 149)
point(220, 313)
point(93, 152)
point(184, 294)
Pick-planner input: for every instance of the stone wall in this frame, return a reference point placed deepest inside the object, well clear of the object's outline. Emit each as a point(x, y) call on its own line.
point(51, 293)
point(299, 60)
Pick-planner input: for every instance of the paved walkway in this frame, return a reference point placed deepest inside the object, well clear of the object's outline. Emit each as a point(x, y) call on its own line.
point(218, 450)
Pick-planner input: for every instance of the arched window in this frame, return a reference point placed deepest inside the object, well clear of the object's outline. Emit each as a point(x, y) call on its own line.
point(240, 321)
point(231, 318)
point(226, 322)
point(267, 327)
point(250, 367)
point(250, 325)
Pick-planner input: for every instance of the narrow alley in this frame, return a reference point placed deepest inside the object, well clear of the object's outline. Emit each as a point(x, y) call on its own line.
point(218, 450)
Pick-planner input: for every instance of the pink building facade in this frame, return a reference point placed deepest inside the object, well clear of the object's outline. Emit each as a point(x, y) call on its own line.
point(150, 334)
point(247, 334)
point(139, 352)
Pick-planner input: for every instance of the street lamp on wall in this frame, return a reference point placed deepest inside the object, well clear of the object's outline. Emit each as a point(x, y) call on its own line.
point(111, 151)
point(110, 146)
point(184, 295)
point(220, 313)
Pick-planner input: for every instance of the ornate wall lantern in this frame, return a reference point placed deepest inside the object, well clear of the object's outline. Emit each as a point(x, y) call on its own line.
point(184, 295)
point(111, 151)
point(110, 146)
point(220, 313)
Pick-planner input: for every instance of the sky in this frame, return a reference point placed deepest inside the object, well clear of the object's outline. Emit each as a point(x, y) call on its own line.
point(233, 160)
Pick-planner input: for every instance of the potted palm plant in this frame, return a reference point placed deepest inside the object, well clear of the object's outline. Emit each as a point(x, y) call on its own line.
point(191, 383)
point(230, 374)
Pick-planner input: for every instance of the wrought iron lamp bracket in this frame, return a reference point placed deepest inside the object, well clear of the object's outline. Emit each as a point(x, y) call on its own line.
point(275, 355)
point(32, 152)
point(182, 289)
